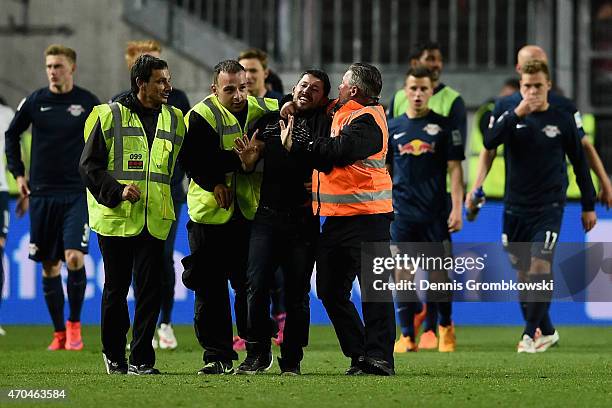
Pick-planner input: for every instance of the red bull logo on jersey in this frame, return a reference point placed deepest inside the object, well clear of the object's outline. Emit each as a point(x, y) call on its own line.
point(416, 147)
point(432, 129)
point(551, 131)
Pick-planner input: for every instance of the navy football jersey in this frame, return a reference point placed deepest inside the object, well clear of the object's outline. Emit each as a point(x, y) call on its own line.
point(420, 149)
point(57, 138)
point(535, 147)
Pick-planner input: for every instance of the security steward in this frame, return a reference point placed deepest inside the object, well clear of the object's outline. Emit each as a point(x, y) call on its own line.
point(131, 147)
point(352, 193)
point(221, 208)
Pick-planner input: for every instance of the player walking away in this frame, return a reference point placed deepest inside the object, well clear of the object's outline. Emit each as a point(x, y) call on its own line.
point(537, 136)
point(508, 103)
point(447, 102)
point(423, 147)
point(54, 192)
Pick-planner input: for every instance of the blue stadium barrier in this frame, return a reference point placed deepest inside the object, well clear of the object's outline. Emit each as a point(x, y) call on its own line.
point(23, 301)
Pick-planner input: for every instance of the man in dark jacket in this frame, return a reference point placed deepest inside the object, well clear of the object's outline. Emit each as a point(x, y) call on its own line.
point(284, 230)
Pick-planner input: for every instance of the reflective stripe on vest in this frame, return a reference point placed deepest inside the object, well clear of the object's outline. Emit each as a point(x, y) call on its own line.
point(120, 132)
point(201, 204)
point(150, 169)
point(356, 197)
point(363, 187)
point(221, 128)
point(372, 162)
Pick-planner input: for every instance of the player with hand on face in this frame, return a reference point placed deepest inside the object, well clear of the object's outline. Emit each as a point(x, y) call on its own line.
point(537, 137)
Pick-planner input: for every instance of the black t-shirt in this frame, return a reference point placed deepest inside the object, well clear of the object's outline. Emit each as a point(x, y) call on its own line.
point(284, 173)
point(57, 139)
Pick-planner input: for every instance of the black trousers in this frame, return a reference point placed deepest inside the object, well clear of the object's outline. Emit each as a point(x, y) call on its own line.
point(284, 238)
point(338, 263)
point(221, 253)
point(141, 254)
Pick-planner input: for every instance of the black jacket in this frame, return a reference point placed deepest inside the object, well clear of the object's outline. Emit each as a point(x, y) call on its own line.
point(284, 174)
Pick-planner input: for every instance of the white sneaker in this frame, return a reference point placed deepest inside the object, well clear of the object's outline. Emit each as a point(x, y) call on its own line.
point(2, 331)
point(544, 342)
point(167, 340)
point(526, 345)
point(153, 343)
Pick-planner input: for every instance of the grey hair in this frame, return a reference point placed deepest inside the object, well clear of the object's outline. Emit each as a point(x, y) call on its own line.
point(366, 78)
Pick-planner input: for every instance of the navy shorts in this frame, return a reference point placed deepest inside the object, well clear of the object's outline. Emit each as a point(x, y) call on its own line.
point(409, 231)
point(4, 214)
point(58, 222)
point(434, 231)
point(531, 233)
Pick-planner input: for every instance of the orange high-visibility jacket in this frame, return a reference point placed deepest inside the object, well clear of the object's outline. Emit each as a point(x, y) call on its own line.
point(363, 187)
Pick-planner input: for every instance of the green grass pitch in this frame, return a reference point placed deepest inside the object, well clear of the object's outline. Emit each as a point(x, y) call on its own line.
point(485, 371)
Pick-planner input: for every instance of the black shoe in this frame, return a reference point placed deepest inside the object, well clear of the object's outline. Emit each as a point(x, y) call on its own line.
point(377, 367)
point(217, 367)
point(255, 363)
point(356, 366)
point(287, 368)
point(113, 367)
point(143, 369)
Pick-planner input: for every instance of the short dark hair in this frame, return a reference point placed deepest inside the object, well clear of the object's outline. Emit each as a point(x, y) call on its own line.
point(367, 79)
point(275, 82)
point(227, 66)
point(513, 83)
point(419, 71)
point(420, 48)
point(143, 69)
point(255, 53)
point(322, 75)
point(535, 66)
